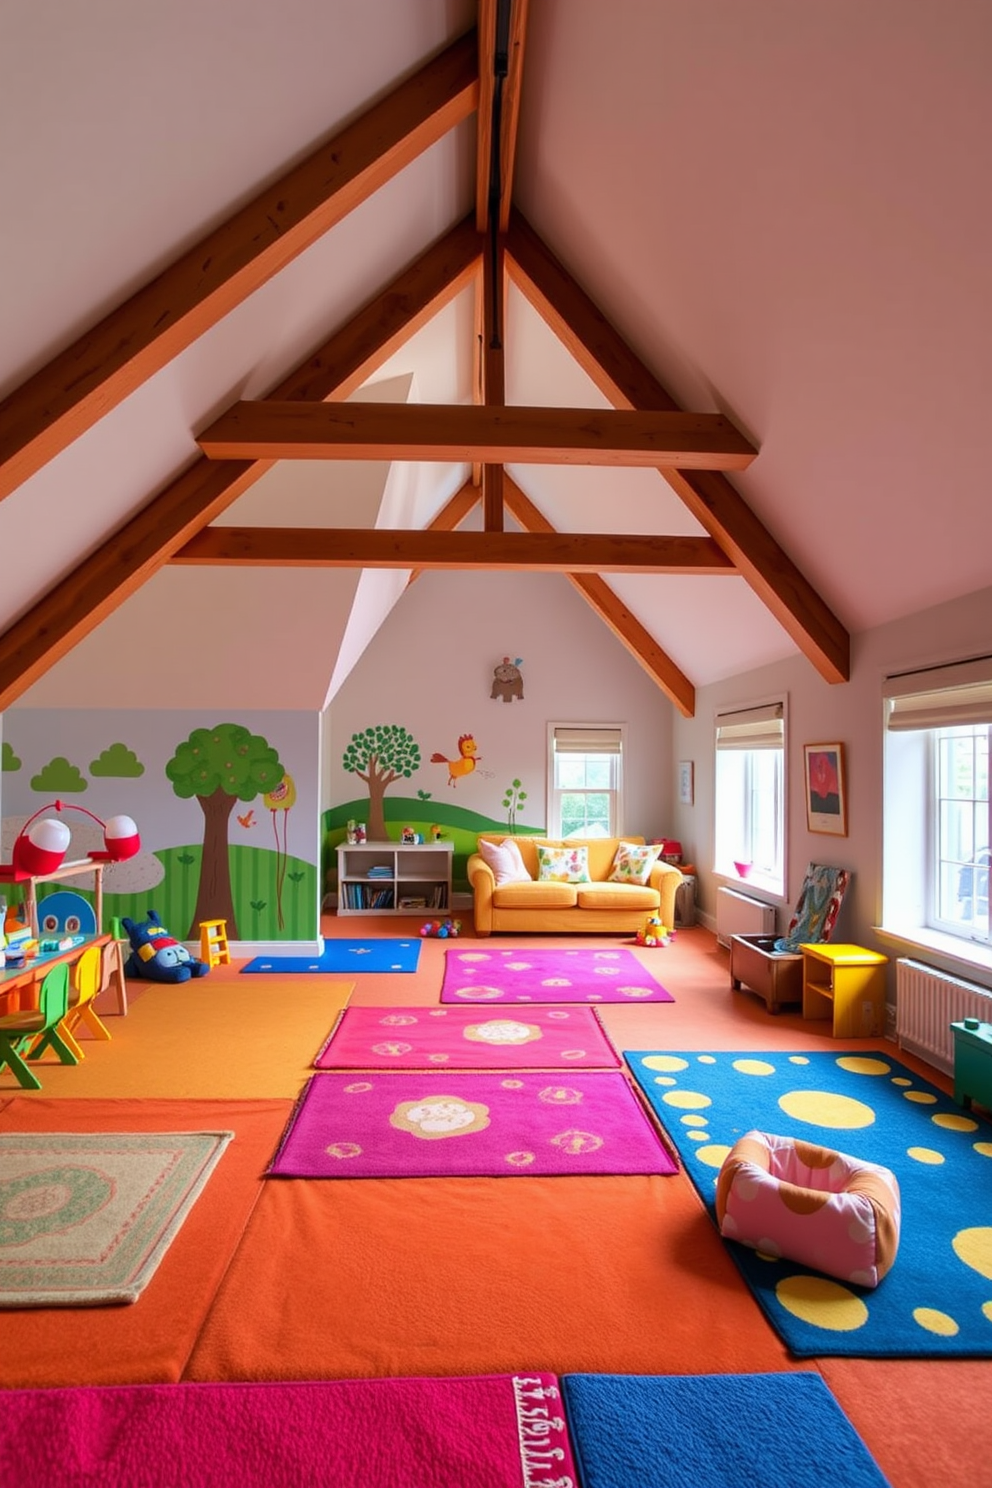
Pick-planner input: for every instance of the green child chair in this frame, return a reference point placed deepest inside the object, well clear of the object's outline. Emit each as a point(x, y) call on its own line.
point(26, 1035)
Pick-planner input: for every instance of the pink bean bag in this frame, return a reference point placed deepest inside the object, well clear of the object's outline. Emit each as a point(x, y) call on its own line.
point(790, 1199)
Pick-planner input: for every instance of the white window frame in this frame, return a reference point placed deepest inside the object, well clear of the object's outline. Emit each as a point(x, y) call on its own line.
point(917, 707)
point(613, 734)
point(747, 730)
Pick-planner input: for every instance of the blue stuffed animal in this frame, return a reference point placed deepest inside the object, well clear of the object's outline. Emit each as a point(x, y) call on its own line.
point(156, 955)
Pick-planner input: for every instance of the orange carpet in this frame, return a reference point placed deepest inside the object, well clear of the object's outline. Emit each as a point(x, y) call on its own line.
point(481, 1275)
point(151, 1339)
point(389, 1277)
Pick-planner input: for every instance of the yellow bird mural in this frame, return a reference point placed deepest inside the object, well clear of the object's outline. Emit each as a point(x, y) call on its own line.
point(465, 763)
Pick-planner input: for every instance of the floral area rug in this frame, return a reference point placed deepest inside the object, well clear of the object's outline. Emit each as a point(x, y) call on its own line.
point(464, 1038)
point(459, 1124)
point(86, 1219)
point(473, 975)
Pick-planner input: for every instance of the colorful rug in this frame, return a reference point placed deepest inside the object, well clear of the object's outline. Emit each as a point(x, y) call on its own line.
point(494, 1431)
point(936, 1302)
point(343, 957)
point(713, 1431)
point(521, 975)
point(85, 1220)
point(458, 1124)
point(461, 1038)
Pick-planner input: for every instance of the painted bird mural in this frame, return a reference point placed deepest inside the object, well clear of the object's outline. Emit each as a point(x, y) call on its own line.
point(464, 764)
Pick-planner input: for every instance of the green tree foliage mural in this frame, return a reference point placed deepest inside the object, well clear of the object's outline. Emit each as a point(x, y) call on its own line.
point(512, 801)
point(220, 766)
point(379, 756)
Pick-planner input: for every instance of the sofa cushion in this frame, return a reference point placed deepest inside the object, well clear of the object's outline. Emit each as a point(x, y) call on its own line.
point(633, 861)
point(617, 896)
point(505, 860)
point(563, 864)
point(535, 895)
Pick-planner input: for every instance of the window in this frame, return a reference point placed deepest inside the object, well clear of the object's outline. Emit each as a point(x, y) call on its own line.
point(750, 793)
point(937, 813)
point(585, 780)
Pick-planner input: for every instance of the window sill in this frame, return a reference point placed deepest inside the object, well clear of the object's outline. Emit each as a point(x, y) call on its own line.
point(953, 955)
point(760, 887)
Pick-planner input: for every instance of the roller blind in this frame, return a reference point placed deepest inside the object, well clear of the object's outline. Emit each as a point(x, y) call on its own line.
point(752, 728)
point(587, 741)
point(940, 697)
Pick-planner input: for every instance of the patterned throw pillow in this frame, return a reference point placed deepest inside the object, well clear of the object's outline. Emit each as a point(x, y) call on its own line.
point(505, 860)
point(632, 863)
point(563, 864)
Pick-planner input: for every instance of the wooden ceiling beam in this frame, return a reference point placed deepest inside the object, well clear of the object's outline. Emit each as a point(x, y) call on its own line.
point(500, 78)
point(273, 430)
point(623, 378)
point(114, 357)
point(104, 580)
point(493, 371)
point(386, 547)
point(612, 611)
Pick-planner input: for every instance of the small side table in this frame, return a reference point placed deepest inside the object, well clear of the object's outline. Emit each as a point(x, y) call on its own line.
point(973, 1063)
point(845, 983)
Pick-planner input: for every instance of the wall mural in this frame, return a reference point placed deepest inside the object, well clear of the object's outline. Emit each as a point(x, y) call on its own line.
point(221, 766)
point(233, 773)
point(385, 753)
point(468, 756)
point(507, 681)
point(379, 756)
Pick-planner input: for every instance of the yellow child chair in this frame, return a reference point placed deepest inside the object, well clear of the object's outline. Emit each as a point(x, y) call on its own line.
point(87, 979)
point(27, 1034)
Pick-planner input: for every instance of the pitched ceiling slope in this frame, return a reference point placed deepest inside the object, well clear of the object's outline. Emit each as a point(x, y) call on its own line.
point(607, 86)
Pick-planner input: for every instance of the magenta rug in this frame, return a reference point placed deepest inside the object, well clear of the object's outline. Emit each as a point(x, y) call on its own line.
point(459, 1124)
point(462, 1038)
point(490, 1431)
point(473, 975)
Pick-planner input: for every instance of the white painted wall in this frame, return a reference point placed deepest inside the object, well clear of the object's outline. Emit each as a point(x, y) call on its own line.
point(430, 669)
point(850, 713)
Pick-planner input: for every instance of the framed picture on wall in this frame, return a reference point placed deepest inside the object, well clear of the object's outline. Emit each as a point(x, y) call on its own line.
point(826, 789)
point(686, 782)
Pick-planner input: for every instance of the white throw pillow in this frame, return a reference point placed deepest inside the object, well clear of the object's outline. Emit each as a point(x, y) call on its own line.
point(633, 863)
point(505, 861)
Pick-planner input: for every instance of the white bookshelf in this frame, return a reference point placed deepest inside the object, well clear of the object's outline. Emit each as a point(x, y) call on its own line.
point(382, 878)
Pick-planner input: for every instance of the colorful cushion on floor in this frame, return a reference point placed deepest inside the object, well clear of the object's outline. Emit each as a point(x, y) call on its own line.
point(788, 1198)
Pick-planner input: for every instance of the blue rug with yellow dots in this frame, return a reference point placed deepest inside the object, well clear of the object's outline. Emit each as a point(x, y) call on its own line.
point(936, 1302)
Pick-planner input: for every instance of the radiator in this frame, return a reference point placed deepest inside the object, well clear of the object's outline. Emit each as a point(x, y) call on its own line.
point(737, 914)
point(927, 1003)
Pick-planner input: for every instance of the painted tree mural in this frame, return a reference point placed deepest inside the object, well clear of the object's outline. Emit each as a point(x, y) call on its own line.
point(220, 766)
point(379, 756)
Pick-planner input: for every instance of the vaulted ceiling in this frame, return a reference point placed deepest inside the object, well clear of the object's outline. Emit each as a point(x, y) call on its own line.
point(688, 305)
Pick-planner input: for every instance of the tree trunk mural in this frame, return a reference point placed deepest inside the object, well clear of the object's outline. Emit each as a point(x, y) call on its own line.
point(214, 900)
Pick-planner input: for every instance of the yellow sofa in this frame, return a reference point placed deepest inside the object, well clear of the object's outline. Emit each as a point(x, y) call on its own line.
point(597, 907)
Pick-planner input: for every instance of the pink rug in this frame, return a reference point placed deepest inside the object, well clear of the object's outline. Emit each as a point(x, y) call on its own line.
point(520, 975)
point(462, 1038)
point(490, 1431)
point(458, 1124)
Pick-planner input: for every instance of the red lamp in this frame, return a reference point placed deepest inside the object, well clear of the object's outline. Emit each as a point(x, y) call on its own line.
point(41, 845)
point(121, 840)
point(41, 849)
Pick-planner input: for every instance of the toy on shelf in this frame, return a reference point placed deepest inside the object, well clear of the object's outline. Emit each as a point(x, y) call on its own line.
point(654, 933)
point(156, 955)
point(442, 929)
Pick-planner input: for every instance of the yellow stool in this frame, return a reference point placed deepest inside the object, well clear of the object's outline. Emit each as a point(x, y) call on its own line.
point(214, 949)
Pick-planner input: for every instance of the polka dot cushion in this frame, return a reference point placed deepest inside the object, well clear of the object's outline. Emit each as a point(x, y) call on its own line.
point(786, 1198)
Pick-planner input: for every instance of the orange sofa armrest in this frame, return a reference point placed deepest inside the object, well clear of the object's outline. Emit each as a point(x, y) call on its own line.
point(483, 881)
point(665, 877)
